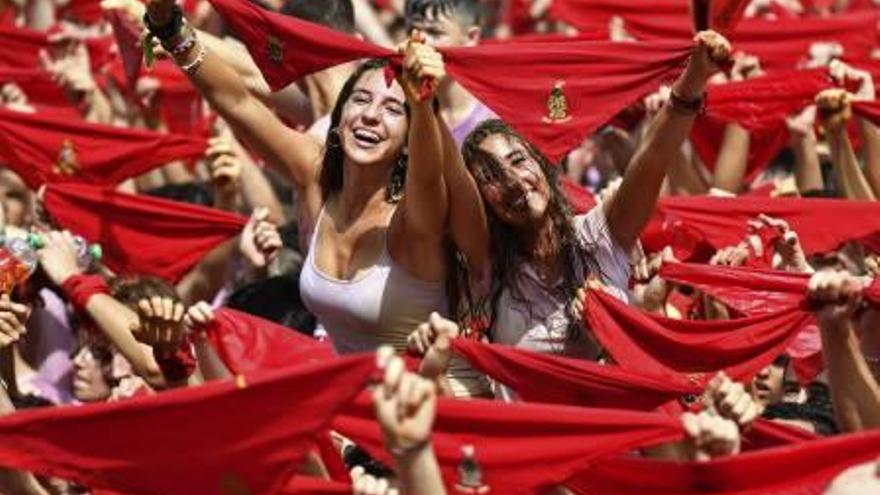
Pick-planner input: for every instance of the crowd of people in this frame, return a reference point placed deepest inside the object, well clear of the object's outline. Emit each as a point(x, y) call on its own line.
point(324, 246)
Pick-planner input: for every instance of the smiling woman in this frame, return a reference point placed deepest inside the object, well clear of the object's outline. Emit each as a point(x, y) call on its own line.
point(374, 201)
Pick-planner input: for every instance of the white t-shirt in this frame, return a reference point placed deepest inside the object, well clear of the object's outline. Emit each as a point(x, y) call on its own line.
point(540, 322)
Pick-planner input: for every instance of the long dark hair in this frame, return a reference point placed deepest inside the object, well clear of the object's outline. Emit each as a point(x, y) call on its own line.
point(332, 169)
point(507, 250)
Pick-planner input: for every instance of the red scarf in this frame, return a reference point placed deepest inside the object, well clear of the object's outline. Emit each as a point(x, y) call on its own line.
point(141, 234)
point(779, 44)
point(579, 198)
point(304, 485)
point(805, 469)
point(519, 447)
point(761, 106)
point(49, 149)
point(647, 343)
point(246, 343)
point(586, 83)
point(191, 440)
point(822, 224)
point(37, 85)
point(868, 110)
point(20, 48)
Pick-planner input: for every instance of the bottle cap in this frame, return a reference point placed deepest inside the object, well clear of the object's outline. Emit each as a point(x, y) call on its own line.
point(36, 241)
point(96, 251)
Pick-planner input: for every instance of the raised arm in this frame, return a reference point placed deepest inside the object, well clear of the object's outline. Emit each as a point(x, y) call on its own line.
point(292, 152)
point(855, 394)
point(425, 204)
point(834, 105)
point(632, 206)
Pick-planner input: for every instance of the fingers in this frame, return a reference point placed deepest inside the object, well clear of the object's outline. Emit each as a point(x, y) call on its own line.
point(198, 315)
point(732, 400)
point(716, 46)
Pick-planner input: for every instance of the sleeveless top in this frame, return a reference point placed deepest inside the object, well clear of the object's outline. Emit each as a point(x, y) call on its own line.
point(382, 305)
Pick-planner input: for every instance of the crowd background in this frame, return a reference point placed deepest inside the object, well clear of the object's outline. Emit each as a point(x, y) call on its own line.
point(646, 267)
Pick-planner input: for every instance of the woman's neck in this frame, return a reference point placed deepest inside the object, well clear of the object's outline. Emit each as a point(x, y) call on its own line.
point(363, 188)
point(542, 246)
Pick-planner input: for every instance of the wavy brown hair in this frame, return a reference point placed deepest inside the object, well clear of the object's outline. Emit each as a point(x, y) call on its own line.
point(507, 250)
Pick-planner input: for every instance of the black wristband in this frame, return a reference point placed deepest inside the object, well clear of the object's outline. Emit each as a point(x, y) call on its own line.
point(169, 29)
point(695, 106)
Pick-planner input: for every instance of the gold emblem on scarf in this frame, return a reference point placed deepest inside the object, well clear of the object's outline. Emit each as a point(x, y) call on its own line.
point(67, 163)
point(557, 105)
point(275, 49)
point(470, 474)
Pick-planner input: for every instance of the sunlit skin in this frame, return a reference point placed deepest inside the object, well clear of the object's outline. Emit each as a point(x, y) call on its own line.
point(89, 382)
point(519, 194)
point(373, 126)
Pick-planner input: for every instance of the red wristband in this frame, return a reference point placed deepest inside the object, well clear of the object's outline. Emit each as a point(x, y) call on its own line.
point(80, 288)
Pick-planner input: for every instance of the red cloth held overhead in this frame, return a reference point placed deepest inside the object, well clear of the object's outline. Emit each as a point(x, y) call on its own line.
point(760, 106)
point(552, 379)
point(246, 343)
point(140, 234)
point(49, 149)
point(37, 85)
point(587, 15)
point(213, 439)
point(822, 224)
point(554, 93)
point(20, 48)
point(304, 485)
point(782, 44)
point(519, 447)
point(803, 469)
point(868, 110)
point(647, 343)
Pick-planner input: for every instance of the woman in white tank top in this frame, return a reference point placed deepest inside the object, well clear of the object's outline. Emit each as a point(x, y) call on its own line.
point(376, 264)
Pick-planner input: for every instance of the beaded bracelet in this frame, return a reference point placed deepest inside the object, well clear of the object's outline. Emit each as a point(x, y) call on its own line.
point(690, 107)
point(192, 67)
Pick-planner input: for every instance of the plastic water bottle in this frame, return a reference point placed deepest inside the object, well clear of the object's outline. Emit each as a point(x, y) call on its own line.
point(87, 255)
point(18, 260)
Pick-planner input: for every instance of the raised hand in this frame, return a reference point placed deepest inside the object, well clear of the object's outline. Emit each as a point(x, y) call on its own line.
point(842, 73)
point(260, 240)
point(405, 404)
point(13, 317)
point(225, 167)
point(420, 62)
point(363, 483)
point(731, 400)
point(834, 108)
point(160, 323)
point(58, 256)
point(433, 340)
point(710, 436)
point(837, 294)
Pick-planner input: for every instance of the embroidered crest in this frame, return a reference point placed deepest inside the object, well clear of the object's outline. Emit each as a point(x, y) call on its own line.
point(470, 474)
point(67, 163)
point(557, 105)
point(275, 49)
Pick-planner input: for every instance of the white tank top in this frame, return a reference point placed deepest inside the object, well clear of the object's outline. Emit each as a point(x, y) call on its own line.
point(381, 306)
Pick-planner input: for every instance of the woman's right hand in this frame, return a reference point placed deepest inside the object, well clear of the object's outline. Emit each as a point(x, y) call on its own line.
point(420, 62)
point(406, 404)
point(160, 11)
point(58, 256)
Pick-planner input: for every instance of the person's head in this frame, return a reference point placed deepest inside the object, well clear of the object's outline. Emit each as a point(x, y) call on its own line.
point(92, 372)
point(368, 128)
point(520, 190)
point(17, 199)
point(767, 386)
point(275, 299)
point(334, 14)
point(130, 290)
point(445, 22)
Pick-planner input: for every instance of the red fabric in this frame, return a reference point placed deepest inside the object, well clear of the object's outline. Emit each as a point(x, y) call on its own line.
point(140, 234)
point(37, 85)
point(552, 379)
point(588, 15)
point(128, 41)
point(596, 79)
point(20, 48)
point(868, 110)
point(724, 15)
point(80, 288)
point(579, 198)
point(193, 440)
point(518, 447)
point(647, 343)
point(752, 291)
point(246, 343)
point(804, 469)
point(760, 106)
point(179, 365)
point(83, 11)
point(779, 44)
point(48, 149)
point(304, 485)
point(822, 224)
